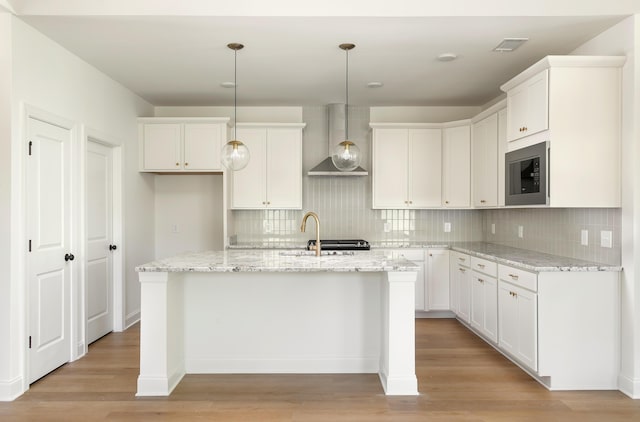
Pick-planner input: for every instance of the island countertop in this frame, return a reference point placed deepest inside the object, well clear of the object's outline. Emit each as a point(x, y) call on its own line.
point(279, 261)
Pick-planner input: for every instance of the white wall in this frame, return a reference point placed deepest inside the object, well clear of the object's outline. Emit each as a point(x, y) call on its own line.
point(52, 79)
point(624, 39)
point(188, 214)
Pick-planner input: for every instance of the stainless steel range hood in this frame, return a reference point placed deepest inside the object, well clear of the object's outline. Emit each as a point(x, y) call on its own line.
point(337, 113)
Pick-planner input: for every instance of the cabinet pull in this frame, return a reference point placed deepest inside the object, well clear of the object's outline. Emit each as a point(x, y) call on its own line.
point(177, 164)
point(462, 259)
point(446, 202)
point(462, 270)
point(268, 203)
point(186, 164)
point(430, 254)
point(482, 201)
point(411, 202)
point(513, 276)
point(514, 294)
point(481, 280)
point(481, 265)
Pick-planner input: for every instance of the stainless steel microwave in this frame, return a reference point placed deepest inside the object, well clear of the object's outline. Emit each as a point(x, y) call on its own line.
point(527, 175)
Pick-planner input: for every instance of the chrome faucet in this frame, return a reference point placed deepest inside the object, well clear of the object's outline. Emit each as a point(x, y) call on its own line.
point(317, 247)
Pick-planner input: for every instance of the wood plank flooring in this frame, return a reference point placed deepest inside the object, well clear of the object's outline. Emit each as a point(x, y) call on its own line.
point(460, 379)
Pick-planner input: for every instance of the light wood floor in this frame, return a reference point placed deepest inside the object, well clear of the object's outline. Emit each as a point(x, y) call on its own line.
point(460, 379)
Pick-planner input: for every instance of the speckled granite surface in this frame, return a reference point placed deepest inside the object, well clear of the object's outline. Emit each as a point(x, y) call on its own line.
point(520, 258)
point(277, 261)
point(528, 260)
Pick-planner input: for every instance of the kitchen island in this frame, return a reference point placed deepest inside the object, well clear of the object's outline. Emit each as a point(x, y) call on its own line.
point(277, 312)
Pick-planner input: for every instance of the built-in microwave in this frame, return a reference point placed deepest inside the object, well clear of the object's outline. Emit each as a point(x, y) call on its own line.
point(527, 175)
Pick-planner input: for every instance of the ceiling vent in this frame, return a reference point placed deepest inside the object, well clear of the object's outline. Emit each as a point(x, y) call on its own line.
point(510, 44)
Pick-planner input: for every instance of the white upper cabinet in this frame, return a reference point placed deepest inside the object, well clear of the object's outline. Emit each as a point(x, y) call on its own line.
point(181, 145)
point(528, 107)
point(456, 172)
point(407, 166)
point(485, 162)
point(574, 103)
point(273, 177)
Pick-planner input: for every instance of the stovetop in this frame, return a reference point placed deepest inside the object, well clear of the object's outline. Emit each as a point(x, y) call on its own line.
point(341, 245)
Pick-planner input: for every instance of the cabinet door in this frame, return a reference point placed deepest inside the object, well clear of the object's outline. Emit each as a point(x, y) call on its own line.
point(162, 146)
point(490, 300)
point(284, 168)
point(528, 107)
point(527, 350)
point(390, 173)
point(457, 167)
point(202, 144)
point(464, 300)
point(507, 318)
point(485, 162)
point(248, 184)
point(437, 280)
point(477, 301)
point(425, 168)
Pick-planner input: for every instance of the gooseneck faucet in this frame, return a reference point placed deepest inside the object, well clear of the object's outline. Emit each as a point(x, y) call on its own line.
point(317, 247)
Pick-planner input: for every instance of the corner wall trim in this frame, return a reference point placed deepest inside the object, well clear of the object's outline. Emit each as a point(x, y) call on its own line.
point(10, 390)
point(132, 319)
point(629, 386)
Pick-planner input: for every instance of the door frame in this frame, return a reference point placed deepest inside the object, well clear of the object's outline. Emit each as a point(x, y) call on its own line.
point(117, 261)
point(31, 112)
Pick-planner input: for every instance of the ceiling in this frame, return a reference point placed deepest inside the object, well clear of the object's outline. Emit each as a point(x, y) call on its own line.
point(172, 60)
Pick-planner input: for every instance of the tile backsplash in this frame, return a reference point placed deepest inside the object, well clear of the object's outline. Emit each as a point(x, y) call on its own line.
point(557, 231)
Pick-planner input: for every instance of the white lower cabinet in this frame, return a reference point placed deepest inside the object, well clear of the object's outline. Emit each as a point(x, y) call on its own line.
point(460, 275)
point(518, 325)
point(437, 280)
point(484, 305)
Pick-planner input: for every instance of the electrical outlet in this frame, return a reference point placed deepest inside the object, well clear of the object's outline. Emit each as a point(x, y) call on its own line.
point(387, 227)
point(267, 226)
point(606, 239)
point(520, 232)
point(175, 228)
point(584, 237)
point(493, 228)
point(447, 227)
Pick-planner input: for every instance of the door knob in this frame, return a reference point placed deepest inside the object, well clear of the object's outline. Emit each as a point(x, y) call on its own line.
point(112, 247)
point(69, 257)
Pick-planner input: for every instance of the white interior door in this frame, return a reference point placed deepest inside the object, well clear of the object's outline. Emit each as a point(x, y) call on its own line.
point(99, 266)
point(50, 259)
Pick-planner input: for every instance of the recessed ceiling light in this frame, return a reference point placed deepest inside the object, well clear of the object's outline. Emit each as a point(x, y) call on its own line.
point(375, 84)
point(227, 84)
point(510, 44)
point(447, 57)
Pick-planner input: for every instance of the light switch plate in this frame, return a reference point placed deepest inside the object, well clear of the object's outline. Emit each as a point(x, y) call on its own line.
point(520, 232)
point(606, 239)
point(493, 228)
point(584, 237)
point(447, 227)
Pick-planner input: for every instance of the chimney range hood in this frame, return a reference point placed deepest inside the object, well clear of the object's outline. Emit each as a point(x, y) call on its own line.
point(336, 135)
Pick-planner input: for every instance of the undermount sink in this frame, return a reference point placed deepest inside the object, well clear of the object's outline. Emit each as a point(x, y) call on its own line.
point(313, 253)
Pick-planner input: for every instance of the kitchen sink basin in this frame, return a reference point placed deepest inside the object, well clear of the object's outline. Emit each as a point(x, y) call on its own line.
point(312, 253)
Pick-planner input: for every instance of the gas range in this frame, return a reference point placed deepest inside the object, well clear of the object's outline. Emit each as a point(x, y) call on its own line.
point(341, 245)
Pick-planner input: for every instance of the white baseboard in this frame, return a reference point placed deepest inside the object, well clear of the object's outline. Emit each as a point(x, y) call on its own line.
point(364, 365)
point(629, 386)
point(10, 390)
point(131, 319)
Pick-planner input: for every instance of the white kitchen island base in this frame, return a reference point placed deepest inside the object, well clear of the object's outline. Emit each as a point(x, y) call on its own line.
point(277, 322)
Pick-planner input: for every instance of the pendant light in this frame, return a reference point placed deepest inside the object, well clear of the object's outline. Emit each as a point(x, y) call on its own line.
point(235, 154)
point(346, 155)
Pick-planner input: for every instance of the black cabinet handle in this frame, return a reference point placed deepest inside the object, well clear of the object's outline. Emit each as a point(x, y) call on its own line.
point(112, 247)
point(69, 257)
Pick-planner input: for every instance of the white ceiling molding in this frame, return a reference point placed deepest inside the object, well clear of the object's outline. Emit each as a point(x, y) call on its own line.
point(327, 8)
point(7, 6)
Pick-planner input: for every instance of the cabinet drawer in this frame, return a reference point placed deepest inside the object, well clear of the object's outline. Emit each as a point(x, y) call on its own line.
point(460, 259)
point(484, 266)
point(521, 278)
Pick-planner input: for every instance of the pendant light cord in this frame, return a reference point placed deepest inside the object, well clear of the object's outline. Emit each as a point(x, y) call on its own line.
point(235, 92)
point(346, 107)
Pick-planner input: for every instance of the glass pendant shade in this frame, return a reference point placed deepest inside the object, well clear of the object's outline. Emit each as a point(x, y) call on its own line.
point(346, 156)
point(235, 155)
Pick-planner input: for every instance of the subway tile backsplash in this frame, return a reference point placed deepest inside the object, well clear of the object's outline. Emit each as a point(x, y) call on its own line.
point(557, 231)
point(344, 207)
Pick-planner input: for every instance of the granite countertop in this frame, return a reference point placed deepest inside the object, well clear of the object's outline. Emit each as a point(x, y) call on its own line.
point(529, 260)
point(515, 257)
point(278, 261)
